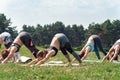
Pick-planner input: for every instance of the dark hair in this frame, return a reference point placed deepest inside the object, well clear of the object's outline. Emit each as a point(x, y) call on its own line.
point(5, 53)
point(41, 53)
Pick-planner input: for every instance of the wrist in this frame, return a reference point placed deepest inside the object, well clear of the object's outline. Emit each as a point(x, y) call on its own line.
point(3, 62)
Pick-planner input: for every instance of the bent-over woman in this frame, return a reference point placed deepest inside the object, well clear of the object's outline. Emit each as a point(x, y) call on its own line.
point(59, 42)
point(22, 38)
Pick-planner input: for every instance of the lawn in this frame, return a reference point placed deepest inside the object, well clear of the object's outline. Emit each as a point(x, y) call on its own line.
point(88, 71)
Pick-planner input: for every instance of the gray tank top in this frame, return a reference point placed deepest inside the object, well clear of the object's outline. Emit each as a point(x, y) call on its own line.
point(117, 42)
point(94, 36)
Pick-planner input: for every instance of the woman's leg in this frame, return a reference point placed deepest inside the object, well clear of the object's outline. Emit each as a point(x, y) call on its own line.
point(96, 51)
point(69, 49)
point(98, 43)
point(27, 41)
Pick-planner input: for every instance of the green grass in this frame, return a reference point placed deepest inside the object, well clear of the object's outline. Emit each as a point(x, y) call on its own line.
point(89, 71)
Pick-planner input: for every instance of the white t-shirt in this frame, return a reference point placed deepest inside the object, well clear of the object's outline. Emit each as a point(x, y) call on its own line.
point(6, 37)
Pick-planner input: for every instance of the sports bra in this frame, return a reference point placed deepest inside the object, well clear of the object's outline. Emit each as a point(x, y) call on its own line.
point(17, 46)
point(53, 48)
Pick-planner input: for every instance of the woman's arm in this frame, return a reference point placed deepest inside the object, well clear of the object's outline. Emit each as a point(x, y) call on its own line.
point(110, 51)
point(33, 62)
point(11, 54)
point(116, 53)
point(81, 52)
point(87, 50)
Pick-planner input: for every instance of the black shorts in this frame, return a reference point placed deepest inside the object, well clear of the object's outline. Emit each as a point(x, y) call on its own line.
point(67, 47)
point(27, 41)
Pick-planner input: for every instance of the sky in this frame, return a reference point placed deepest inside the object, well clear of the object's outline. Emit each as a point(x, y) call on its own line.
point(33, 12)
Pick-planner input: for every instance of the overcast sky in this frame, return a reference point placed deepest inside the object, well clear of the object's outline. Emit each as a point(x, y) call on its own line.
point(33, 12)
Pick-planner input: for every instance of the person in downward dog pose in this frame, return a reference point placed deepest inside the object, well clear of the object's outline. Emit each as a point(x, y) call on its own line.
point(6, 39)
point(22, 38)
point(114, 51)
point(59, 42)
point(92, 44)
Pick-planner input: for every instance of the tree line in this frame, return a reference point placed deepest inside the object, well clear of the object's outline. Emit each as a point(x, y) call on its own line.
point(109, 31)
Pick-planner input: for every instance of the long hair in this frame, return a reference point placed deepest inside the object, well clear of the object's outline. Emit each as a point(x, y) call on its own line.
point(42, 53)
point(4, 53)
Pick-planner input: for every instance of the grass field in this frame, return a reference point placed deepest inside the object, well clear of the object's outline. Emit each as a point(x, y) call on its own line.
point(88, 71)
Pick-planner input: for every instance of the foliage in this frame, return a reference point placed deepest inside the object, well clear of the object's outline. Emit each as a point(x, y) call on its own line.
point(109, 31)
point(5, 26)
point(43, 35)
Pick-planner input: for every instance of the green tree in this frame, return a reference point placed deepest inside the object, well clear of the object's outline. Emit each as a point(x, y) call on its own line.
point(4, 23)
point(78, 35)
point(107, 37)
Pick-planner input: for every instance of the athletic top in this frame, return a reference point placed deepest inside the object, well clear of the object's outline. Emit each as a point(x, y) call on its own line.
point(62, 39)
point(117, 43)
point(91, 46)
point(94, 36)
point(6, 37)
point(16, 45)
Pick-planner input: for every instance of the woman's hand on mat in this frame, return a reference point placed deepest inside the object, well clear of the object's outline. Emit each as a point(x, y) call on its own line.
point(3, 62)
